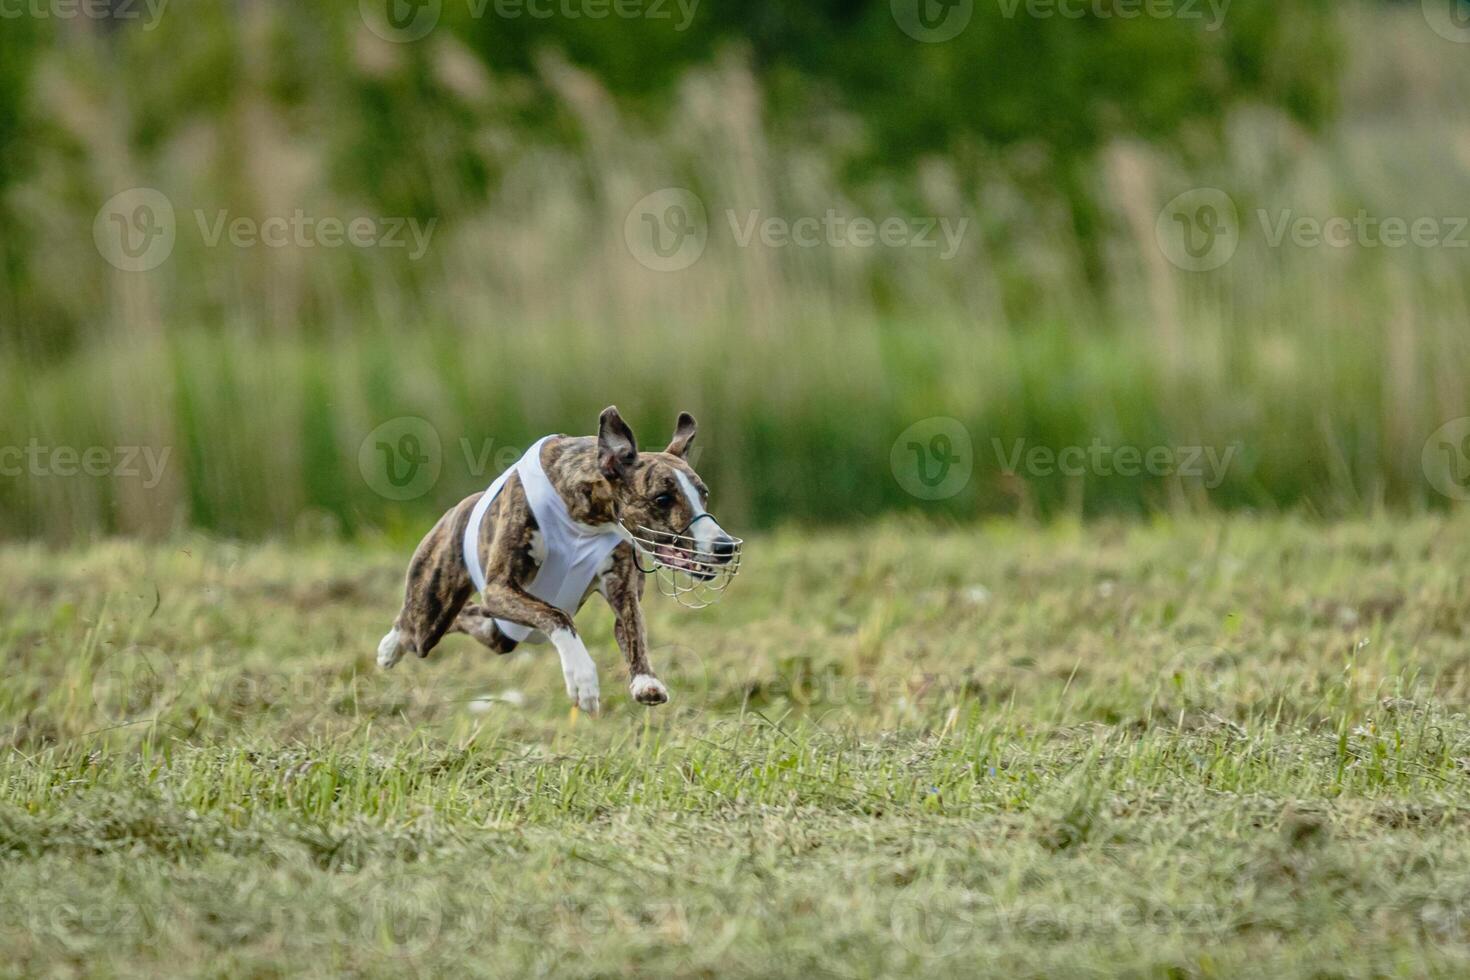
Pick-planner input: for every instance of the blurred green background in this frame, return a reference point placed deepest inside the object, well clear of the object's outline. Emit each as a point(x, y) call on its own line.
point(522, 139)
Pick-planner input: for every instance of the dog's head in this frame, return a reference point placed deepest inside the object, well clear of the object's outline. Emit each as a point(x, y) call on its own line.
point(661, 500)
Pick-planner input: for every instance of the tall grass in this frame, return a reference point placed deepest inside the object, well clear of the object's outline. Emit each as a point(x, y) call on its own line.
point(262, 370)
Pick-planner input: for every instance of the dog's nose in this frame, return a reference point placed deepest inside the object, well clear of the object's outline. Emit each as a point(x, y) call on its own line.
point(723, 548)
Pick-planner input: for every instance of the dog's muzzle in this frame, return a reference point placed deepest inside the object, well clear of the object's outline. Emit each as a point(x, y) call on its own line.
point(691, 573)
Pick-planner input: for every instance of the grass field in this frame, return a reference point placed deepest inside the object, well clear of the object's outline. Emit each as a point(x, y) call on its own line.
point(1215, 748)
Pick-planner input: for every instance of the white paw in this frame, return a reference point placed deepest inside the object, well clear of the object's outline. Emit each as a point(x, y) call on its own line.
point(582, 688)
point(647, 689)
point(389, 650)
point(578, 669)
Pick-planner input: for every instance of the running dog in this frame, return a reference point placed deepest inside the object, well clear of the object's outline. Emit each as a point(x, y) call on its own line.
point(576, 514)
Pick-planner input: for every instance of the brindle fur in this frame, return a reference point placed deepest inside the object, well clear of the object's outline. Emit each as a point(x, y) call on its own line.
point(601, 479)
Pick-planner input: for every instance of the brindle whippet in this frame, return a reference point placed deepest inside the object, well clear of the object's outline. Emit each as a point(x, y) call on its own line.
point(588, 491)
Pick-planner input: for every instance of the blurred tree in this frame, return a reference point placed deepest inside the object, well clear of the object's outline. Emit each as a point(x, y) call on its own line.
point(18, 47)
point(1066, 72)
point(1063, 75)
point(962, 79)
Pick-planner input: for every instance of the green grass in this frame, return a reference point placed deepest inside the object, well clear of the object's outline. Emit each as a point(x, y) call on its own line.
point(1206, 747)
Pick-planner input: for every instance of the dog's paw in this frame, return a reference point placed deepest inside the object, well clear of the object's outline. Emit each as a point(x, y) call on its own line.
point(582, 687)
point(647, 689)
point(578, 669)
point(390, 651)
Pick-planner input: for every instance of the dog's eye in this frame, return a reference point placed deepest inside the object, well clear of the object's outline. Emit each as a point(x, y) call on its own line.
point(664, 500)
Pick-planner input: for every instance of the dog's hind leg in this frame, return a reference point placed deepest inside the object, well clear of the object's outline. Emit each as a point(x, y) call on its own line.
point(476, 622)
point(436, 588)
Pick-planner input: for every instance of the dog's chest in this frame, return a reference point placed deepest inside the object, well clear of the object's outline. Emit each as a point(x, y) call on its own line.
point(536, 551)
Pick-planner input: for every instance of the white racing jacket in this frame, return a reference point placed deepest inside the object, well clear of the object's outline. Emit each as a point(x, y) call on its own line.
point(573, 552)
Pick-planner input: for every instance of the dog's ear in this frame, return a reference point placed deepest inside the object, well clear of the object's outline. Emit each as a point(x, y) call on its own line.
point(617, 450)
point(683, 435)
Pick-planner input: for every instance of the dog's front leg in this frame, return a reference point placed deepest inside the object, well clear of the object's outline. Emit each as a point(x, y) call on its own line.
point(504, 601)
point(622, 587)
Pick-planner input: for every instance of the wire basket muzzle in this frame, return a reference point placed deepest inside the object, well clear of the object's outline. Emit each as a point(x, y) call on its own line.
point(691, 573)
